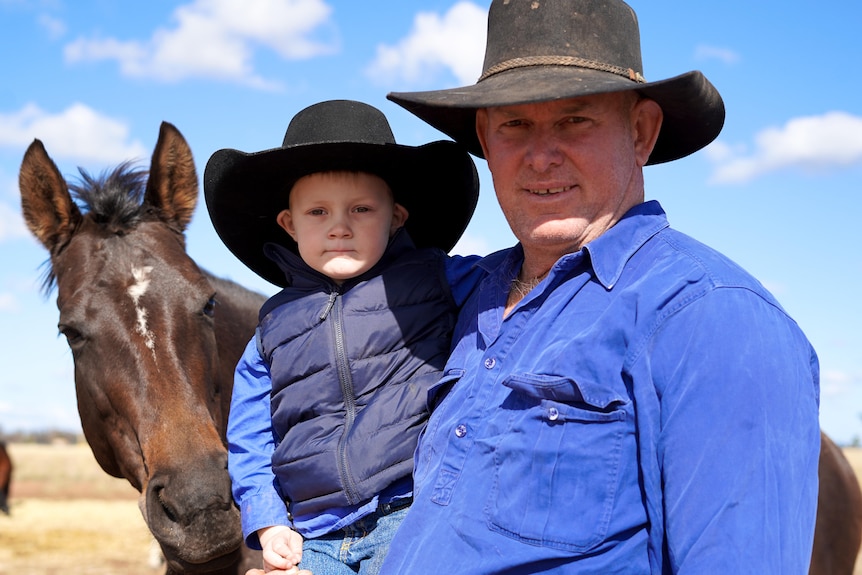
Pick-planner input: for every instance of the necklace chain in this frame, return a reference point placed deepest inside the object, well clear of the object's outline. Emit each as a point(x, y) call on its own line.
point(520, 288)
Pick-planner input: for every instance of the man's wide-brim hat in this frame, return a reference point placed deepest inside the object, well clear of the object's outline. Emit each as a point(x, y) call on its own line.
point(543, 50)
point(436, 182)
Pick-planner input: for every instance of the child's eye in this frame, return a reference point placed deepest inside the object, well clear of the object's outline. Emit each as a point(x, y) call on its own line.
point(317, 212)
point(362, 209)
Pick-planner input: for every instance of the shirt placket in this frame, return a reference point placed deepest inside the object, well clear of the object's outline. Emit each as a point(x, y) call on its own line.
point(479, 393)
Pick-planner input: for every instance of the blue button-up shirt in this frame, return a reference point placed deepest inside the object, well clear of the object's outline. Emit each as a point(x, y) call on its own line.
point(648, 408)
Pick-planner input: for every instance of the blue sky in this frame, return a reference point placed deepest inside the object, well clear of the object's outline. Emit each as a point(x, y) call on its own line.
point(779, 191)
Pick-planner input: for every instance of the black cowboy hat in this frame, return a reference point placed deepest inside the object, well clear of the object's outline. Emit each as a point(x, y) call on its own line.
point(244, 192)
point(549, 50)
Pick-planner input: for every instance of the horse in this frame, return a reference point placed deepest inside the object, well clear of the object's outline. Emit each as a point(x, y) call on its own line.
point(838, 530)
point(154, 340)
point(5, 478)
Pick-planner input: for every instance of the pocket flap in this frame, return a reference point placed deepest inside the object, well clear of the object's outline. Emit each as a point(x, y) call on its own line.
point(564, 389)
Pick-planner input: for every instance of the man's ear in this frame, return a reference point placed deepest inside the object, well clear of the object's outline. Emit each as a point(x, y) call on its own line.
point(647, 118)
point(285, 220)
point(399, 216)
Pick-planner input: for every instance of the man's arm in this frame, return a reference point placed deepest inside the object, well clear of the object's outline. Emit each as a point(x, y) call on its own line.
point(739, 439)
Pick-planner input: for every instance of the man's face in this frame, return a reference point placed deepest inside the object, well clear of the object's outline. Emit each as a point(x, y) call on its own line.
point(566, 171)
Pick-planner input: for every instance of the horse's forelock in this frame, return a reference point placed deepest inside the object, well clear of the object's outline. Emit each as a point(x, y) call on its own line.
point(115, 197)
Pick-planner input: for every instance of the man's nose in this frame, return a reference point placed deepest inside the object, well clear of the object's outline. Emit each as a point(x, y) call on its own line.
point(544, 152)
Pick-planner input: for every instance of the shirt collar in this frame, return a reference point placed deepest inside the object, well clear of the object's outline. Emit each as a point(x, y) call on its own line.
point(608, 253)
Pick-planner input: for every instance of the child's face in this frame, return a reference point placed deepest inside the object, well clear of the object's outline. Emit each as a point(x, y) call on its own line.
point(341, 221)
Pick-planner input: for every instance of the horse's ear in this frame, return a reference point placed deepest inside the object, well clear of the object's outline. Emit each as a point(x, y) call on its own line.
point(173, 183)
point(48, 209)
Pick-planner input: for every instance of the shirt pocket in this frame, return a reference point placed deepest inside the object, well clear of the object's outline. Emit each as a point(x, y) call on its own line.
point(556, 461)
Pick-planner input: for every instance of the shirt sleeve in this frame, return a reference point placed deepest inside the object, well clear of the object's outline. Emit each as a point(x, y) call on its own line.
point(739, 438)
point(463, 276)
point(250, 447)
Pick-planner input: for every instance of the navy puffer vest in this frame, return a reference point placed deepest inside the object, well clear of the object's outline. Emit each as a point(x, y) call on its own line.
point(351, 366)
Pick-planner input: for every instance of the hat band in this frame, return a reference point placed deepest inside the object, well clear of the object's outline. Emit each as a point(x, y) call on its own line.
point(629, 73)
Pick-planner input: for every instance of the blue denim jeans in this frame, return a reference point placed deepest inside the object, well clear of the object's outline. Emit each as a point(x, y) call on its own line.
point(358, 548)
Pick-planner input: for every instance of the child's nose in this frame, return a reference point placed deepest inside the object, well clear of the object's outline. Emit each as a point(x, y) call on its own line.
point(340, 228)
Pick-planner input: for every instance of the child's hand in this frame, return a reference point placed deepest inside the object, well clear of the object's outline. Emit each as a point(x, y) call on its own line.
point(282, 550)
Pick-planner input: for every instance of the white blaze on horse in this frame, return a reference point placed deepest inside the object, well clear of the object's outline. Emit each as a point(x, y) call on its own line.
point(155, 340)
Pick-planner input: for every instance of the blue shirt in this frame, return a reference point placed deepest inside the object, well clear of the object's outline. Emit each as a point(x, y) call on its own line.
point(252, 443)
point(648, 408)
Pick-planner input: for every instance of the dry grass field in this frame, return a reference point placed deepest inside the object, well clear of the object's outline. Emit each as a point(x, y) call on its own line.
point(70, 517)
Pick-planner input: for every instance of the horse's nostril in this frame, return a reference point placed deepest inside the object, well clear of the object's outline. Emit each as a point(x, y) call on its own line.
point(166, 507)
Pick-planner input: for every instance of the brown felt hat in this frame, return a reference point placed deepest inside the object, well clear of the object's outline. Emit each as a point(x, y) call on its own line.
point(543, 50)
point(244, 192)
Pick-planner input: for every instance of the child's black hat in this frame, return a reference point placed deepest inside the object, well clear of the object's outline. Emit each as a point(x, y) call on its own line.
point(244, 192)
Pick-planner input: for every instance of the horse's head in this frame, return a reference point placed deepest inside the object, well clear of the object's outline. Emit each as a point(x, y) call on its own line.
point(152, 378)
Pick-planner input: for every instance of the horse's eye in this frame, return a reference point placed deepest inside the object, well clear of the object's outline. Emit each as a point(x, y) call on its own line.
point(209, 308)
point(73, 336)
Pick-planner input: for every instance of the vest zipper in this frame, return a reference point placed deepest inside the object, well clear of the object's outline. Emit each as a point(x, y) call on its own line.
point(345, 380)
point(331, 302)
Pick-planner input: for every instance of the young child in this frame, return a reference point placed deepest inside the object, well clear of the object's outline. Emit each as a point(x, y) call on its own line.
point(331, 394)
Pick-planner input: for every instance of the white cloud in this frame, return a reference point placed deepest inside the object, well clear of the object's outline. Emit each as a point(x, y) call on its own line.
point(55, 28)
point(831, 140)
point(455, 41)
point(726, 55)
point(216, 39)
point(8, 301)
point(834, 382)
point(78, 133)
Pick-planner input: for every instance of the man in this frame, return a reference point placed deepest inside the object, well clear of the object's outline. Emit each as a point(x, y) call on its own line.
point(620, 398)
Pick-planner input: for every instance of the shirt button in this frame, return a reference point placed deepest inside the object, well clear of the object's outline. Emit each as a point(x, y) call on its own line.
point(460, 430)
point(490, 363)
point(553, 414)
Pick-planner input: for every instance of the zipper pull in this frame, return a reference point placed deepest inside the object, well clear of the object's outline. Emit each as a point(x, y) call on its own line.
point(328, 307)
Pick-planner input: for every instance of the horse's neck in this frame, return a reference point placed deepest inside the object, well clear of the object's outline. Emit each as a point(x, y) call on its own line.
point(236, 319)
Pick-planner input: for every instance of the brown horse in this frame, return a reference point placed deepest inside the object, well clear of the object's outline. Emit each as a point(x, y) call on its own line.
point(5, 478)
point(838, 532)
point(154, 339)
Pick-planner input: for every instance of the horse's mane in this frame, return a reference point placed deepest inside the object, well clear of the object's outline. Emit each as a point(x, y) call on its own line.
point(113, 198)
